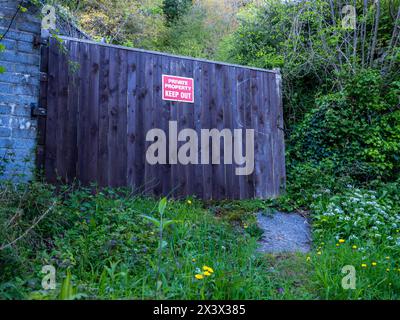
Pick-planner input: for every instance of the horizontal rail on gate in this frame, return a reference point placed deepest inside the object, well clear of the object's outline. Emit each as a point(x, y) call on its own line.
point(167, 54)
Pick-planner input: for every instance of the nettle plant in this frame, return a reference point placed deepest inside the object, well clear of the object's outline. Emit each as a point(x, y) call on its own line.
point(361, 217)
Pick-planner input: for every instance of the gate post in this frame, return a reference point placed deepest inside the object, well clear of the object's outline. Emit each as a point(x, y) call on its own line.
point(40, 110)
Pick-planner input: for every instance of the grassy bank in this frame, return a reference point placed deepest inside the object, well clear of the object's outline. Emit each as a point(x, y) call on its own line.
point(109, 245)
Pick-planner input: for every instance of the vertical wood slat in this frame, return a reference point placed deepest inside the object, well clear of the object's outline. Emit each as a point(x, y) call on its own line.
point(122, 105)
point(139, 121)
point(241, 100)
point(235, 119)
point(173, 157)
point(206, 115)
point(93, 114)
point(104, 93)
point(98, 118)
point(149, 179)
point(72, 111)
point(280, 136)
point(274, 129)
point(165, 117)
point(157, 118)
point(51, 121)
point(62, 115)
point(131, 119)
point(83, 129)
point(41, 121)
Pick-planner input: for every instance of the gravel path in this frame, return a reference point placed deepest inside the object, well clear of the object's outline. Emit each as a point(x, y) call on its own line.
point(284, 232)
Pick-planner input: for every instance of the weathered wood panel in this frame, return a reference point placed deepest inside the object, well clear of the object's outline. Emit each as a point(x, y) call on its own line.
point(99, 112)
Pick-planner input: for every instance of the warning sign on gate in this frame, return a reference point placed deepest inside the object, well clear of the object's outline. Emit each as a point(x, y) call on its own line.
point(178, 89)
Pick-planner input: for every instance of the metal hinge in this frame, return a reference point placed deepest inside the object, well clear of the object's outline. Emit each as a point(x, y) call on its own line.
point(38, 40)
point(37, 111)
point(43, 77)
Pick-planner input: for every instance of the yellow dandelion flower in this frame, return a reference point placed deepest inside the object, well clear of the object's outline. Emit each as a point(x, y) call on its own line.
point(363, 265)
point(206, 268)
point(354, 247)
point(374, 264)
point(207, 273)
point(342, 241)
point(199, 276)
point(337, 245)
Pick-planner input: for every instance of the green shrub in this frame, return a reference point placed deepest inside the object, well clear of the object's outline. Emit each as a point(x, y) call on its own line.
point(366, 219)
point(358, 129)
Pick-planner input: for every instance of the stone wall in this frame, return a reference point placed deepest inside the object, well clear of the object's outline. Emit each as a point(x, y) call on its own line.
point(19, 88)
point(19, 85)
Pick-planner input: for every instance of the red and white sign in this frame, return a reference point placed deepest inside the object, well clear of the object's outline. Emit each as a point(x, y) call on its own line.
point(178, 89)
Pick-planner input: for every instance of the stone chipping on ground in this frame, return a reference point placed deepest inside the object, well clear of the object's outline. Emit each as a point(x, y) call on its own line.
point(284, 232)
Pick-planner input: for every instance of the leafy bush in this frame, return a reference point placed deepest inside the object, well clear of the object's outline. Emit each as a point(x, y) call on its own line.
point(364, 218)
point(358, 129)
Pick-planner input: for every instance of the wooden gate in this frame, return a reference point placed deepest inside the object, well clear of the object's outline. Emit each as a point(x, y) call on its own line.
point(101, 100)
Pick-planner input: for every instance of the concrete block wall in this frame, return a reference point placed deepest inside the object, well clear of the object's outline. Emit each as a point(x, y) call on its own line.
point(19, 88)
point(20, 83)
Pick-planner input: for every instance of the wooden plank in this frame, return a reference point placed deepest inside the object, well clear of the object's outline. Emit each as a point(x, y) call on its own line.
point(113, 119)
point(62, 129)
point(219, 173)
point(197, 114)
point(175, 187)
point(132, 107)
point(262, 137)
point(242, 90)
point(41, 121)
point(206, 124)
point(255, 177)
point(52, 112)
point(104, 92)
point(185, 120)
point(122, 100)
point(248, 124)
point(140, 135)
point(235, 124)
point(149, 178)
point(92, 114)
point(165, 117)
point(212, 178)
point(226, 93)
point(274, 149)
point(83, 115)
point(281, 136)
point(70, 141)
point(157, 118)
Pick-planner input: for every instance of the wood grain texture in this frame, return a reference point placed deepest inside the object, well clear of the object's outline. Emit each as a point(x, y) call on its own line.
point(99, 116)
